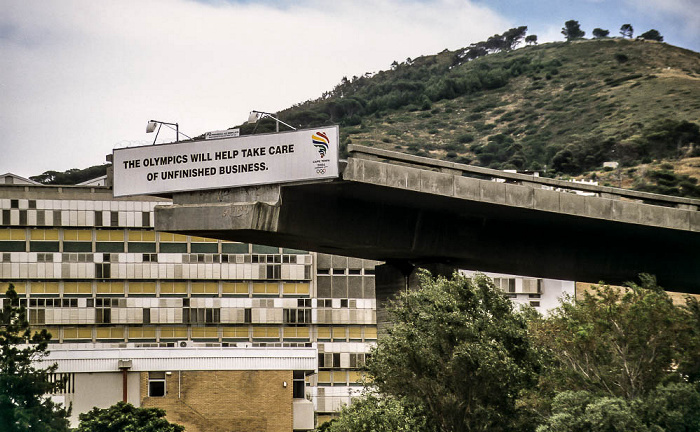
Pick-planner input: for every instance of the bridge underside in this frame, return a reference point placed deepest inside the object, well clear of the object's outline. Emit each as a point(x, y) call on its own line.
point(408, 227)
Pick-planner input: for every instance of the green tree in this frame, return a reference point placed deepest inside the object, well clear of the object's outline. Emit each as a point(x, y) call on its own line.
point(123, 417)
point(372, 413)
point(572, 30)
point(652, 35)
point(459, 349)
point(531, 40)
point(617, 342)
point(599, 33)
point(626, 31)
point(23, 386)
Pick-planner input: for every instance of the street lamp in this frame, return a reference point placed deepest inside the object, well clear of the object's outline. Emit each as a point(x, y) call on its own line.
point(257, 115)
point(151, 126)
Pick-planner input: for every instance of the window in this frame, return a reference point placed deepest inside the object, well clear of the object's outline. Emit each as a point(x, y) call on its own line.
point(98, 218)
point(297, 316)
point(102, 271)
point(156, 384)
point(114, 218)
point(145, 219)
point(248, 316)
point(201, 315)
point(150, 257)
point(14, 204)
point(298, 387)
point(103, 315)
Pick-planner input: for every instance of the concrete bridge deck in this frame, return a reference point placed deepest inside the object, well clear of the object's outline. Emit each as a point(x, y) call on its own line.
point(408, 210)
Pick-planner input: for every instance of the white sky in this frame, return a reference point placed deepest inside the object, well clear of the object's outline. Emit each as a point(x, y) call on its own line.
point(82, 77)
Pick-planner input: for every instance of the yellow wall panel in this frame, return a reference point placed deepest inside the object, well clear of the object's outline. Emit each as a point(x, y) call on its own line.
point(77, 288)
point(234, 288)
point(142, 236)
point(205, 332)
point(109, 235)
point(173, 287)
point(266, 332)
point(338, 333)
point(13, 234)
point(205, 288)
point(142, 287)
point(77, 235)
point(296, 332)
point(266, 288)
point(170, 237)
point(323, 332)
point(355, 332)
point(236, 332)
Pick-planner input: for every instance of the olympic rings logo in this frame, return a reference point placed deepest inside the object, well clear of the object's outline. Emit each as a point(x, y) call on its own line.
point(320, 171)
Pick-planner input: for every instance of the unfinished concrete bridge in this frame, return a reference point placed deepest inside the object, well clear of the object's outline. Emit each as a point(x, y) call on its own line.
point(413, 211)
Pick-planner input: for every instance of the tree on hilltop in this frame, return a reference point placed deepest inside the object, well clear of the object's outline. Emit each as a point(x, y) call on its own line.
point(652, 35)
point(572, 30)
point(626, 31)
point(24, 404)
point(599, 33)
point(531, 40)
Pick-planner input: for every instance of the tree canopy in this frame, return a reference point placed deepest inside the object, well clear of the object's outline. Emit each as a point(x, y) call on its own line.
point(626, 30)
point(458, 349)
point(599, 33)
point(24, 404)
point(572, 30)
point(458, 357)
point(652, 35)
point(123, 417)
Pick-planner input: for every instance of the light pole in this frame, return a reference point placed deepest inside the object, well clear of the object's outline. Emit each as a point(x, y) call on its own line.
point(151, 126)
point(257, 115)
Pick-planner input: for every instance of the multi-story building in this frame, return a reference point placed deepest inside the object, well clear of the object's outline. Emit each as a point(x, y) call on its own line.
point(92, 271)
point(158, 318)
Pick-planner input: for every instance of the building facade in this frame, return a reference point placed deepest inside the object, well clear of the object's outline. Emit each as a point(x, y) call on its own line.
point(92, 271)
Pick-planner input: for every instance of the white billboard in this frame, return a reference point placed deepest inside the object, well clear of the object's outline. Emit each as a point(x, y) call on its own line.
point(215, 164)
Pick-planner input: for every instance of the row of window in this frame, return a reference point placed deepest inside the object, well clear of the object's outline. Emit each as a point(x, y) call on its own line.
point(163, 287)
point(213, 333)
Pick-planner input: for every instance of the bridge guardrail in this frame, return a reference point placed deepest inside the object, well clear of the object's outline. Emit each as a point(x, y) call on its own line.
point(363, 152)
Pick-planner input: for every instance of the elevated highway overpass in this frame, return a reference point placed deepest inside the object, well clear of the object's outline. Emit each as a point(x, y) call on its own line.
point(412, 211)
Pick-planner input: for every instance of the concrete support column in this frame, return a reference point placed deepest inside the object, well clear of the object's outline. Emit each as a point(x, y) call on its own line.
point(392, 278)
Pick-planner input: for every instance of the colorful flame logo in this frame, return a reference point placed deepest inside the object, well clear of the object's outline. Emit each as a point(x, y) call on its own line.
point(321, 141)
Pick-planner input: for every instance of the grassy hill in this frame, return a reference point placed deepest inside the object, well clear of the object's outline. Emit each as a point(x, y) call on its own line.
point(559, 108)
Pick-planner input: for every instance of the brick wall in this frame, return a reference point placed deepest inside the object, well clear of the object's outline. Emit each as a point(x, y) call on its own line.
point(226, 401)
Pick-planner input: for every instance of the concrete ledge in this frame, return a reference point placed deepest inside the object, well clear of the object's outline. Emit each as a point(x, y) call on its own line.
point(437, 183)
point(468, 188)
point(546, 200)
point(257, 216)
point(520, 196)
point(493, 192)
point(572, 204)
point(599, 208)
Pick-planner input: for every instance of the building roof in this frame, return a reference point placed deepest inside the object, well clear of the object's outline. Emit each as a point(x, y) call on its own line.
point(10, 178)
point(182, 358)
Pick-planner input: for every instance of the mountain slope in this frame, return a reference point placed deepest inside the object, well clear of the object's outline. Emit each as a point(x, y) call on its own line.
point(561, 107)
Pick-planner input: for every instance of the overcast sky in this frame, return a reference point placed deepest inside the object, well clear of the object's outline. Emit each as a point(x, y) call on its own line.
point(82, 77)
